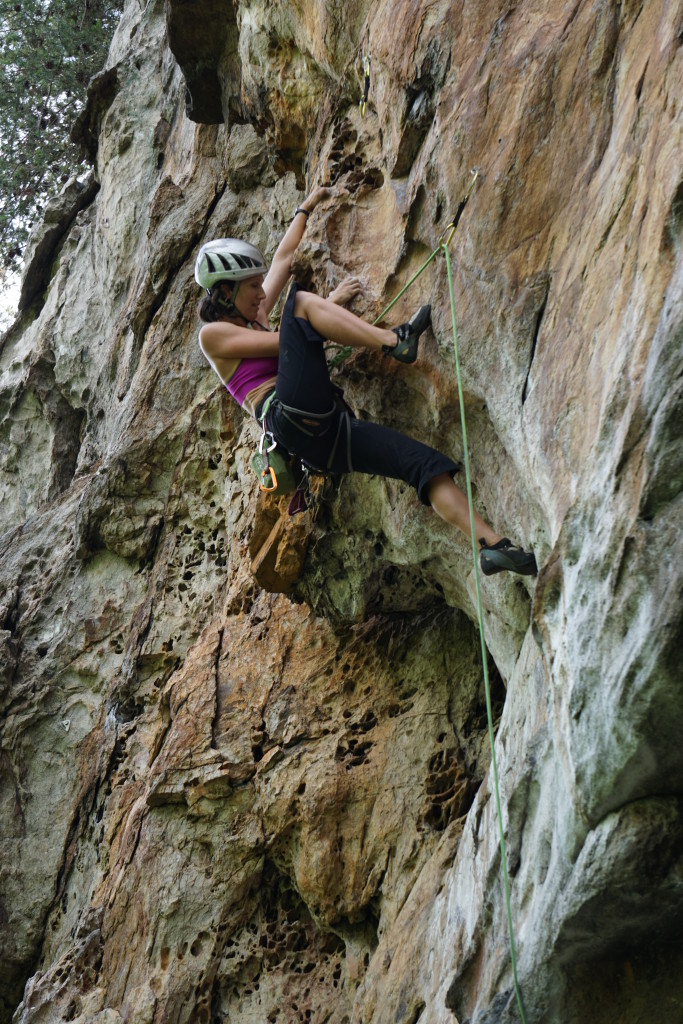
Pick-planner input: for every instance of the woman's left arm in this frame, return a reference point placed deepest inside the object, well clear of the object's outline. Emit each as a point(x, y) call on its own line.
point(281, 267)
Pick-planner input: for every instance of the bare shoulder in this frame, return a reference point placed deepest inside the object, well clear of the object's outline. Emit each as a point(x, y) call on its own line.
point(219, 329)
point(212, 335)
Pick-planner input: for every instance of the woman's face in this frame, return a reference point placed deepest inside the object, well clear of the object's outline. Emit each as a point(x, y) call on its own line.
point(248, 296)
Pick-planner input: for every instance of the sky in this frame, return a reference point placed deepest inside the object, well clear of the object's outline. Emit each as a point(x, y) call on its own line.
point(9, 300)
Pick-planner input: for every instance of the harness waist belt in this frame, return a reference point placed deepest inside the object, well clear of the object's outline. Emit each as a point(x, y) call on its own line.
point(301, 420)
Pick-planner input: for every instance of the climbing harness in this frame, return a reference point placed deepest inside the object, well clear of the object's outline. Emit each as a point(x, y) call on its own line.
point(480, 615)
point(273, 465)
point(367, 61)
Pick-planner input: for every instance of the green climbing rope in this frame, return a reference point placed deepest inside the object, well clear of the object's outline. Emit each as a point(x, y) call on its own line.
point(480, 614)
point(444, 242)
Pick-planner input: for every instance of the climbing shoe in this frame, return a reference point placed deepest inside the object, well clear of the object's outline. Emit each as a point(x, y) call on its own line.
point(405, 349)
point(504, 555)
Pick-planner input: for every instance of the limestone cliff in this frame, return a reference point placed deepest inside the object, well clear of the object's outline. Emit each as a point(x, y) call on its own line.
point(244, 772)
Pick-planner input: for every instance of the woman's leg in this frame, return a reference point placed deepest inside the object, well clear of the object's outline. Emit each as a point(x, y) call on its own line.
point(303, 377)
point(450, 503)
point(374, 448)
point(341, 325)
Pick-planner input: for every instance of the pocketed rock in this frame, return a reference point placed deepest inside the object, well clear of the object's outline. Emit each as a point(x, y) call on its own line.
point(244, 761)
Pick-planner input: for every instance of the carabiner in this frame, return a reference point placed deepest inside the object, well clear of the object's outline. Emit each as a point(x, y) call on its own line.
point(450, 228)
point(273, 476)
point(261, 443)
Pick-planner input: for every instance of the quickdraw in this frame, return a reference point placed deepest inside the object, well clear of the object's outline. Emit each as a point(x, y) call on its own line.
point(271, 463)
point(363, 103)
point(267, 470)
point(449, 231)
point(450, 228)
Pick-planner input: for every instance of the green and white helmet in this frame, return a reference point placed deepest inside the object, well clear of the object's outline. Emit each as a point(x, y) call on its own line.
point(227, 259)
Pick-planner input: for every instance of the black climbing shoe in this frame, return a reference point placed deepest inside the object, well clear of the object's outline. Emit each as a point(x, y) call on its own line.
point(405, 349)
point(504, 555)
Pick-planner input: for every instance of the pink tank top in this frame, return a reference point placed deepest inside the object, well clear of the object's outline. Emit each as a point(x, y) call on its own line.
point(249, 374)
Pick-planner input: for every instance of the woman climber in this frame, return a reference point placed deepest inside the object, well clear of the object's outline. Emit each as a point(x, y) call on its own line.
point(286, 373)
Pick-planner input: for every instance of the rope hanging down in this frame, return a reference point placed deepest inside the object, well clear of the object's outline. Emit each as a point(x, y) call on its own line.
point(480, 615)
point(444, 242)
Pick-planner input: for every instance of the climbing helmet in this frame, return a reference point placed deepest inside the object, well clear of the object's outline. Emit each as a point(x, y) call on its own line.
point(227, 259)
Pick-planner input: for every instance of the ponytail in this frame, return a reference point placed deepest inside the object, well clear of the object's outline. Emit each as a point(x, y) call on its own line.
point(207, 311)
point(214, 307)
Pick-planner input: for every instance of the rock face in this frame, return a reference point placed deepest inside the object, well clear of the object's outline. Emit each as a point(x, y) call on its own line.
point(244, 772)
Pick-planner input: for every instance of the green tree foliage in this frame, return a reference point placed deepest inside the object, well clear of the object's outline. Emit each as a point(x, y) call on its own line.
point(49, 49)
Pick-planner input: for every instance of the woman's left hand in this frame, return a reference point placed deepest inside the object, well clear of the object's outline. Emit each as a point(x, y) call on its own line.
point(347, 290)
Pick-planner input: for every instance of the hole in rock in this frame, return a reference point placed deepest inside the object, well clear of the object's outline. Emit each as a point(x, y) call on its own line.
point(419, 1009)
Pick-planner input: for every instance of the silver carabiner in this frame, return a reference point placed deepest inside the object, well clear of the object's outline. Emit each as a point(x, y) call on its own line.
point(262, 439)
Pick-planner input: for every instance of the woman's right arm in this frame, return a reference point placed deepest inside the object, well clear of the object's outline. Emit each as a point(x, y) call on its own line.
point(227, 341)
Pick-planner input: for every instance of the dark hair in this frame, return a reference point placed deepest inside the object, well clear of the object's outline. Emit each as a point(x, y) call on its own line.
point(208, 311)
point(216, 305)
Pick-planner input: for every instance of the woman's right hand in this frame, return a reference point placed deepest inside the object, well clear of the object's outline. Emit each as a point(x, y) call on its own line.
point(320, 194)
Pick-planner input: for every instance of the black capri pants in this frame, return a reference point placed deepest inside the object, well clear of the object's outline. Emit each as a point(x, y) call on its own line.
point(326, 429)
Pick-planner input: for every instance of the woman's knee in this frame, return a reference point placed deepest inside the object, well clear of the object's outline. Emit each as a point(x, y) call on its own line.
point(302, 303)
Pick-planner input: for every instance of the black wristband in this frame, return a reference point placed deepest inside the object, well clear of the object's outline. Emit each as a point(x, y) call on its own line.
point(300, 209)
